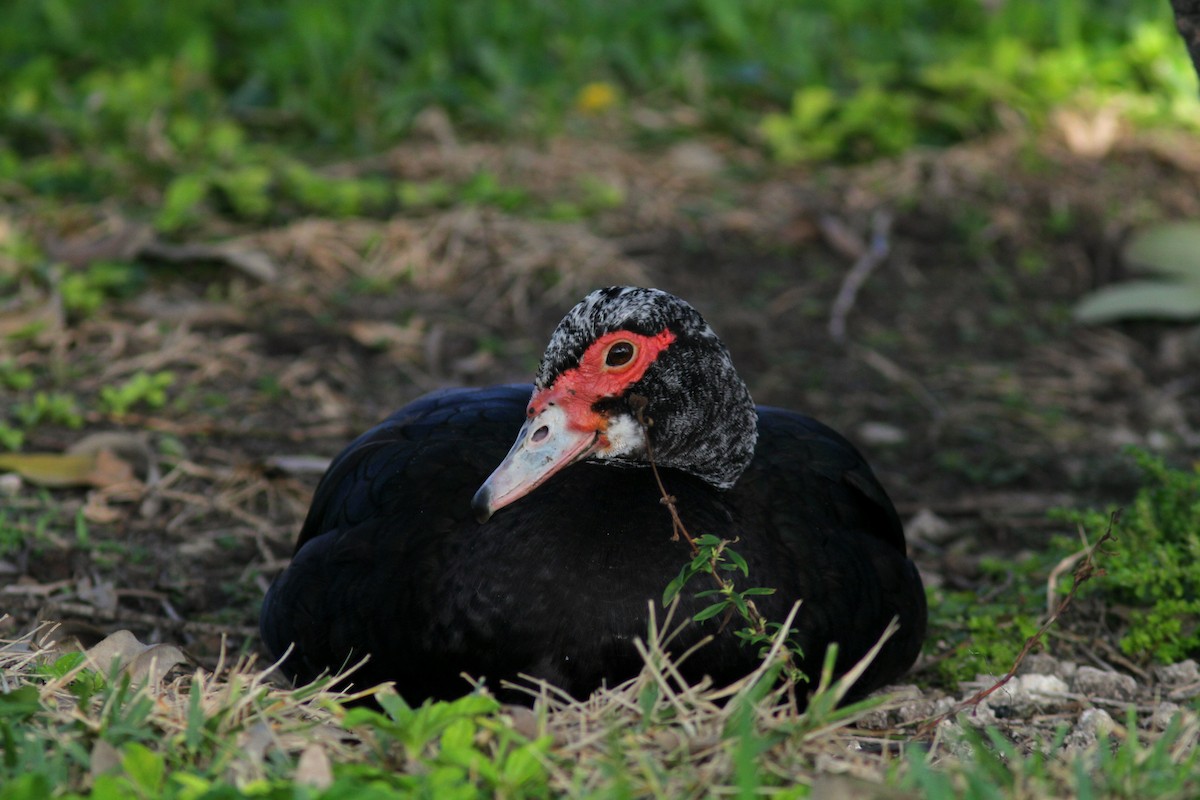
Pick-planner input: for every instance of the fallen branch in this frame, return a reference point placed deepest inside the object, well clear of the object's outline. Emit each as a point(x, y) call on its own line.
point(872, 257)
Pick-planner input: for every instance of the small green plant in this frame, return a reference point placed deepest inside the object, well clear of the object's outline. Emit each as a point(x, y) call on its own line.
point(984, 637)
point(712, 556)
point(84, 682)
point(869, 123)
point(1155, 571)
point(445, 738)
point(14, 377)
point(12, 537)
point(415, 196)
point(142, 388)
point(485, 188)
point(336, 197)
point(182, 201)
point(53, 408)
point(84, 292)
point(11, 438)
point(28, 528)
point(1151, 573)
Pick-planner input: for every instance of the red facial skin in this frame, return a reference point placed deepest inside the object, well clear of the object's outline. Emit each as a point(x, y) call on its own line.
point(579, 388)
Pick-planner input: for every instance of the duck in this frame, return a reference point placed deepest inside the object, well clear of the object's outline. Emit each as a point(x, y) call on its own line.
point(485, 536)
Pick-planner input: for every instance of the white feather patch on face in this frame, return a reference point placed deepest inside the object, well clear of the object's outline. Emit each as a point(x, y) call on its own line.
point(626, 439)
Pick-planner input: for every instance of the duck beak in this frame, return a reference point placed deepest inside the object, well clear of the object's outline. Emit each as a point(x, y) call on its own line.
point(546, 444)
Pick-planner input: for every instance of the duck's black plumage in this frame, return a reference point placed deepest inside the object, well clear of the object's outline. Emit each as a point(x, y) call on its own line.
point(393, 563)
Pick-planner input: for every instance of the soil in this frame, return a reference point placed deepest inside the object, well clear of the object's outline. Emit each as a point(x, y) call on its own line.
point(960, 373)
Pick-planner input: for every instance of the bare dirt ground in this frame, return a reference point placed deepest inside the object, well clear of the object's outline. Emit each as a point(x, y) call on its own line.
point(960, 371)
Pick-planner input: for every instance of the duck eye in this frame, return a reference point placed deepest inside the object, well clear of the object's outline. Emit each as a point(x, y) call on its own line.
point(620, 354)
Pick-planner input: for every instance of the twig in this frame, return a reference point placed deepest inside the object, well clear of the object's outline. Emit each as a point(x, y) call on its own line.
point(638, 403)
point(876, 254)
point(897, 374)
point(1083, 573)
point(752, 615)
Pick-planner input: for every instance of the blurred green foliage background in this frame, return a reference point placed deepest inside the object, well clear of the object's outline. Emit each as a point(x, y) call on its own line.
point(841, 78)
point(228, 104)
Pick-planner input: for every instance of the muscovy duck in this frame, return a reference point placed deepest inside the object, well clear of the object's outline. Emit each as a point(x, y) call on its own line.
point(435, 553)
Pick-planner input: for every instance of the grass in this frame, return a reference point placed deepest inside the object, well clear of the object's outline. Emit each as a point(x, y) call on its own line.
point(232, 733)
point(71, 727)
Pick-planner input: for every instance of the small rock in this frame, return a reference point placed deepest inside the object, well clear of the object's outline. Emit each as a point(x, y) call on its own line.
point(695, 160)
point(524, 721)
point(881, 433)
point(1181, 674)
point(1158, 440)
point(929, 527)
point(10, 484)
point(314, 768)
point(1026, 694)
point(981, 715)
point(1099, 683)
point(1122, 436)
point(1093, 723)
point(1040, 664)
point(1163, 713)
point(954, 740)
point(922, 709)
point(886, 717)
point(877, 720)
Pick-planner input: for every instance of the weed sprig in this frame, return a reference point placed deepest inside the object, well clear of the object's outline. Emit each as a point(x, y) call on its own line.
point(713, 556)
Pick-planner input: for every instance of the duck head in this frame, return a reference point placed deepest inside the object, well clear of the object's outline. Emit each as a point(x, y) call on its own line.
point(622, 351)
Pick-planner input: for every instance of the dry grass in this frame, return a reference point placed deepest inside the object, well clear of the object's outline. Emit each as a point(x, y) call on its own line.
point(655, 734)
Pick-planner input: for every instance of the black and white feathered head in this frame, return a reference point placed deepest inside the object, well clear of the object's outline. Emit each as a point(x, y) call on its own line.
point(615, 350)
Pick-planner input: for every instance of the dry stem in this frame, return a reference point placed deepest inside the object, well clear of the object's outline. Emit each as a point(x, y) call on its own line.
point(1083, 573)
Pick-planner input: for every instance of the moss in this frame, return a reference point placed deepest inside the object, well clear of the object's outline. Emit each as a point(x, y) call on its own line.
point(1154, 571)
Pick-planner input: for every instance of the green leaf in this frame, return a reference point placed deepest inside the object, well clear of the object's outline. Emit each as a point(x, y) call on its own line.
point(648, 697)
point(738, 561)
point(21, 703)
point(711, 611)
point(1172, 248)
point(30, 786)
point(522, 766)
point(674, 586)
point(194, 733)
point(111, 787)
point(145, 767)
point(759, 590)
point(184, 195)
point(739, 601)
point(459, 735)
point(394, 705)
point(1140, 299)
